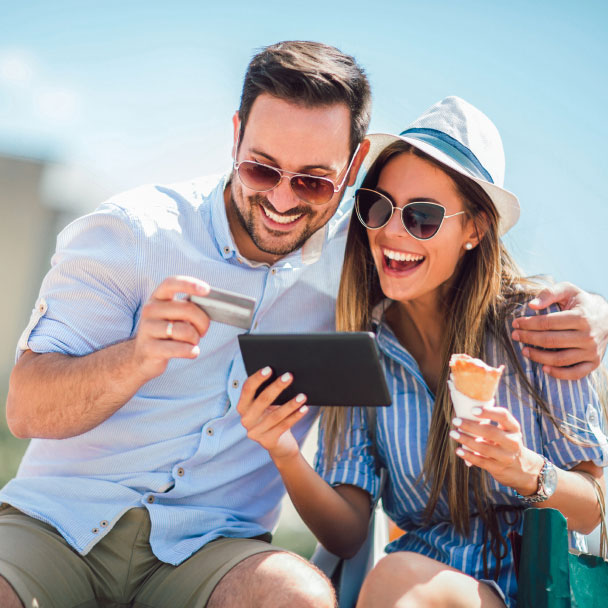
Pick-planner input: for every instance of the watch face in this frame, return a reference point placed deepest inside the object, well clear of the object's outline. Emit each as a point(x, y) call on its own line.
point(549, 480)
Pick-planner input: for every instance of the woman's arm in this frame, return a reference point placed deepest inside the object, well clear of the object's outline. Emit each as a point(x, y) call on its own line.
point(338, 517)
point(500, 451)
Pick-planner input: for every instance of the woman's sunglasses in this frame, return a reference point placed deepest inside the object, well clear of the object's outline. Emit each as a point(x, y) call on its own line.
point(421, 220)
point(311, 189)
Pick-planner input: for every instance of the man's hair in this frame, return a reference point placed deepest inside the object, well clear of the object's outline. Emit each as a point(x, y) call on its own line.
point(310, 74)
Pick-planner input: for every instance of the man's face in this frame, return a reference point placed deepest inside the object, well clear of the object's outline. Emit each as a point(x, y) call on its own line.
point(315, 141)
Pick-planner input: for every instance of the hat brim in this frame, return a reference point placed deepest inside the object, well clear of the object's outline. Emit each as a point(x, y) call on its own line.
point(506, 202)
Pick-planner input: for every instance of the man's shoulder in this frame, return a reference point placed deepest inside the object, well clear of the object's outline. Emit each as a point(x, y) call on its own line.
point(155, 201)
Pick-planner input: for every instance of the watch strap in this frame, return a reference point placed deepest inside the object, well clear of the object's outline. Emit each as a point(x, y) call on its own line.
point(540, 495)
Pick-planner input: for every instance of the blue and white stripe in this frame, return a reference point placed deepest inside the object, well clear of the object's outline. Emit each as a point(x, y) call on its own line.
point(402, 432)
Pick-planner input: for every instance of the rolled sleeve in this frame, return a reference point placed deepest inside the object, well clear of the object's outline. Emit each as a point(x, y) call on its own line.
point(354, 464)
point(88, 299)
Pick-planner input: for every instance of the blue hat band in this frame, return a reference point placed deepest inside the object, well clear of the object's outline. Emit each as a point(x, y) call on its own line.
point(452, 148)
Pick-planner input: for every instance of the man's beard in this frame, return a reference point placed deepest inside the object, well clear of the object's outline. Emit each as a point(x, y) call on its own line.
point(278, 248)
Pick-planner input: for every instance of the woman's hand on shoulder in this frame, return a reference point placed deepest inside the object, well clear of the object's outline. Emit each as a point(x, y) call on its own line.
point(577, 334)
point(498, 449)
point(267, 424)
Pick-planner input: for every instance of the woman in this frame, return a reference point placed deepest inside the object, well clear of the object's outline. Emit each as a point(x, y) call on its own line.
point(425, 269)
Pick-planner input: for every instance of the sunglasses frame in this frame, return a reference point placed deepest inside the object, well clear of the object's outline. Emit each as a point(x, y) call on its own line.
point(289, 175)
point(394, 206)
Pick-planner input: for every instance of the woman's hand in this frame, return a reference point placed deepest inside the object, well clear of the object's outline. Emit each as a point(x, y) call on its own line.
point(270, 425)
point(498, 449)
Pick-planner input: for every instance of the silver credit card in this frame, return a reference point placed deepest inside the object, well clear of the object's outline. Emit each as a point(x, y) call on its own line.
point(227, 307)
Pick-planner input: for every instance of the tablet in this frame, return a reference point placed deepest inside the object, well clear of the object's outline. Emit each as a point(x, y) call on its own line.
point(339, 368)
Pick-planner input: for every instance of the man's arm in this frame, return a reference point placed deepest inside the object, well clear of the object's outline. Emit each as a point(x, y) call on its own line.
point(579, 331)
point(55, 396)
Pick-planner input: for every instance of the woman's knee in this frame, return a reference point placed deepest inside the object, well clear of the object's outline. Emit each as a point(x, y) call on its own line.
point(395, 577)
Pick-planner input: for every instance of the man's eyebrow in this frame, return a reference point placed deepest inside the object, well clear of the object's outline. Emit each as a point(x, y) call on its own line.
point(303, 169)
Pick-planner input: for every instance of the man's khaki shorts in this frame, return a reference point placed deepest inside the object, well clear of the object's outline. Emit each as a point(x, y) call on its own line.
point(119, 571)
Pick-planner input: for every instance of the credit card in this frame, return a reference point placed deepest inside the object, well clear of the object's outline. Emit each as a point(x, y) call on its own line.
point(227, 307)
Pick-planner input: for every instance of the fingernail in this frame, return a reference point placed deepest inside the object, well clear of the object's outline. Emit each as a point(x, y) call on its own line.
point(266, 371)
point(476, 411)
point(196, 351)
point(459, 451)
point(300, 398)
point(454, 434)
point(515, 335)
point(303, 409)
point(515, 323)
point(203, 288)
point(286, 377)
point(456, 421)
point(468, 463)
point(535, 302)
point(526, 351)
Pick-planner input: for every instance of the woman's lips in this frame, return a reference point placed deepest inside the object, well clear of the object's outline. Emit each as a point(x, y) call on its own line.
point(400, 263)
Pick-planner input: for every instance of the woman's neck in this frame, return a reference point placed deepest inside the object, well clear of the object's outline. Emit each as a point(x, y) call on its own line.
point(419, 325)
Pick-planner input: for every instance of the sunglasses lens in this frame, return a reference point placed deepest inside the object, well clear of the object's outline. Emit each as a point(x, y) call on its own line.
point(422, 220)
point(313, 190)
point(258, 177)
point(373, 209)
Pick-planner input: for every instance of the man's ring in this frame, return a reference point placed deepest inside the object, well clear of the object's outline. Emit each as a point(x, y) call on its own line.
point(169, 330)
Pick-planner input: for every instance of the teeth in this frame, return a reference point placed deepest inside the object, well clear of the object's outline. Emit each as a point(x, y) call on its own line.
point(402, 257)
point(281, 219)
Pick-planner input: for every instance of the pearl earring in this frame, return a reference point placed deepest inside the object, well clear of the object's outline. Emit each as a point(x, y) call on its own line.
point(468, 246)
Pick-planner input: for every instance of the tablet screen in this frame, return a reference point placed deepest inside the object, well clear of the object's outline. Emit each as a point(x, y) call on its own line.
point(340, 368)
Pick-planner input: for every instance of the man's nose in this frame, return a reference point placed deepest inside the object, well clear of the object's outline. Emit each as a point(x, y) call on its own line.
point(283, 197)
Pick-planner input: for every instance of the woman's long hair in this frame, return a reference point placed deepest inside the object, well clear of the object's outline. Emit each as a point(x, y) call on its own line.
point(486, 287)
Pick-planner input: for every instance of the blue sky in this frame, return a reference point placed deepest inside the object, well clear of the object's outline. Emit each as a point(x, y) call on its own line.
point(137, 92)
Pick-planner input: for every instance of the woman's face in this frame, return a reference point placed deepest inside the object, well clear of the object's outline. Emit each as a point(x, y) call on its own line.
point(409, 268)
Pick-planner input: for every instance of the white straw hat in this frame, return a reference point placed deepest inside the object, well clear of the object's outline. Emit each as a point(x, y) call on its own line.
point(462, 137)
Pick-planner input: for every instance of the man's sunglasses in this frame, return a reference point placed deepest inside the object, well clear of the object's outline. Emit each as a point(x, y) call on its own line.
point(421, 219)
point(311, 189)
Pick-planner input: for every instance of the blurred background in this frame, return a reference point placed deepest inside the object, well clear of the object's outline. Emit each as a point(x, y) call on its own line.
point(100, 97)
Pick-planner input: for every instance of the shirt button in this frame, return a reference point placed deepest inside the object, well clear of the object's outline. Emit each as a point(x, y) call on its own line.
point(235, 384)
point(210, 431)
point(104, 524)
point(273, 271)
point(95, 530)
point(150, 499)
point(180, 472)
point(227, 250)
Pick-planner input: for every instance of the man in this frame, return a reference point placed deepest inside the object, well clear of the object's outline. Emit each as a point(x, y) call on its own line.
point(141, 487)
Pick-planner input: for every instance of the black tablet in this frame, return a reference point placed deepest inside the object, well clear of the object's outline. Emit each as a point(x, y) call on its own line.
point(339, 368)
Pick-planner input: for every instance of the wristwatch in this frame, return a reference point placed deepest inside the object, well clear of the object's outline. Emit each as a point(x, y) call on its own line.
point(547, 482)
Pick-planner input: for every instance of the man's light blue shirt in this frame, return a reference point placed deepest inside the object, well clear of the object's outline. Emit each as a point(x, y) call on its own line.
point(177, 447)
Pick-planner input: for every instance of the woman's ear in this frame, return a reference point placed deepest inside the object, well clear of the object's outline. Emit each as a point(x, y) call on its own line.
point(475, 229)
